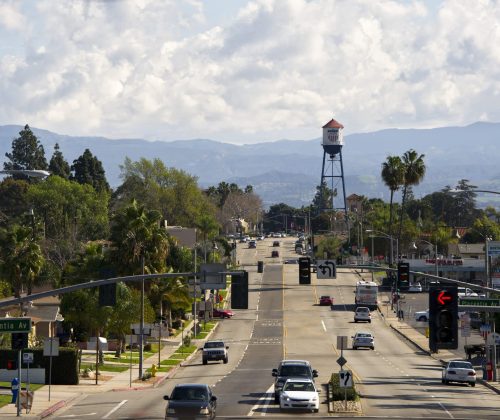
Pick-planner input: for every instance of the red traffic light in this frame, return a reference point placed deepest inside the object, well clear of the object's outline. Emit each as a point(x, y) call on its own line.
point(444, 298)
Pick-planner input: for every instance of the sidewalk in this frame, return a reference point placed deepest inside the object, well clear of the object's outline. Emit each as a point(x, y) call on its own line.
point(62, 395)
point(422, 342)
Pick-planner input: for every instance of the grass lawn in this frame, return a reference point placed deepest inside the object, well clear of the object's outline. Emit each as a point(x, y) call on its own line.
point(6, 399)
point(201, 335)
point(161, 369)
point(170, 362)
point(105, 368)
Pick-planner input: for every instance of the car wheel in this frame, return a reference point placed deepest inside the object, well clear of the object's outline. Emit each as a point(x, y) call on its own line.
point(356, 321)
point(221, 316)
point(369, 321)
point(472, 384)
point(446, 382)
point(315, 410)
point(443, 381)
point(205, 361)
point(354, 348)
point(276, 399)
point(373, 348)
point(422, 319)
point(226, 360)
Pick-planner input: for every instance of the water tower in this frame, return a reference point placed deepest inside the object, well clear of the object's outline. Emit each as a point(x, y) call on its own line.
point(332, 171)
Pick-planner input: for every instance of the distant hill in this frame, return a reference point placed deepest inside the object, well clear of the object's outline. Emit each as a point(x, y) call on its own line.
point(289, 170)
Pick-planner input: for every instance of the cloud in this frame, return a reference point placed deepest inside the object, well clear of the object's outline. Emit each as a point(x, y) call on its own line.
point(167, 70)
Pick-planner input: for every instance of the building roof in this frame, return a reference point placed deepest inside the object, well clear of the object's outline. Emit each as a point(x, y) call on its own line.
point(333, 124)
point(464, 249)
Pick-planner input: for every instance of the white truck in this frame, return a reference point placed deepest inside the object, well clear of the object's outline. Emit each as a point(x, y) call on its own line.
point(366, 294)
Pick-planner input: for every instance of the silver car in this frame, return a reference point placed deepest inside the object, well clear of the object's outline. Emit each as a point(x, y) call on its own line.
point(363, 339)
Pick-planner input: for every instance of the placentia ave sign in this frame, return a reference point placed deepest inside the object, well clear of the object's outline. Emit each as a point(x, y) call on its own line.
point(15, 325)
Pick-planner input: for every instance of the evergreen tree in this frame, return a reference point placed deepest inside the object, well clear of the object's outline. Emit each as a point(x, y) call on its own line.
point(58, 165)
point(27, 153)
point(87, 169)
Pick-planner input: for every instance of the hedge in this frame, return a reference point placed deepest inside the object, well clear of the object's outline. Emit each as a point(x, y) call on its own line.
point(64, 366)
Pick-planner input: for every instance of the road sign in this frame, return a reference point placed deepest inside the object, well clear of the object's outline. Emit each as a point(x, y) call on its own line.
point(27, 357)
point(51, 346)
point(15, 325)
point(489, 303)
point(326, 269)
point(342, 342)
point(345, 379)
point(341, 361)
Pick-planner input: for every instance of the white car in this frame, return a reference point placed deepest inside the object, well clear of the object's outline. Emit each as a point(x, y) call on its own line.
point(422, 316)
point(363, 339)
point(415, 288)
point(466, 292)
point(362, 313)
point(299, 393)
point(459, 371)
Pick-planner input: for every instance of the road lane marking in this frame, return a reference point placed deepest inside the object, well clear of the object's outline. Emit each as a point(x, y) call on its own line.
point(322, 323)
point(444, 408)
point(266, 398)
point(114, 409)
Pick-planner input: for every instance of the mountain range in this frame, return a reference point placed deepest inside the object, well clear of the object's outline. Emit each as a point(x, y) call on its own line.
point(288, 171)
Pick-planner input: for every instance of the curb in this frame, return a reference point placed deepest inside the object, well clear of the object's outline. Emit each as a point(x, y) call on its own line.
point(51, 410)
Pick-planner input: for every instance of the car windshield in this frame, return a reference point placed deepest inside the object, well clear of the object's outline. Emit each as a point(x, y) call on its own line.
point(189, 394)
point(214, 344)
point(295, 371)
point(299, 386)
point(460, 365)
point(362, 310)
point(363, 335)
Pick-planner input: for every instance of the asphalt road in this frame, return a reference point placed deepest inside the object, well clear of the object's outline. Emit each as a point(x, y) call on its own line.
point(284, 320)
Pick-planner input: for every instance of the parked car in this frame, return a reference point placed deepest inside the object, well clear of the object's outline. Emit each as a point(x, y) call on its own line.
point(291, 369)
point(422, 316)
point(362, 313)
point(363, 339)
point(223, 313)
point(326, 301)
point(275, 254)
point(466, 292)
point(300, 393)
point(191, 401)
point(459, 371)
point(415, 288)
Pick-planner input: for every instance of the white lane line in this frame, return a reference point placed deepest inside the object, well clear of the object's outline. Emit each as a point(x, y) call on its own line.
point(322, 323)
point(114, 409)
point(263, 402)
point(444, 408)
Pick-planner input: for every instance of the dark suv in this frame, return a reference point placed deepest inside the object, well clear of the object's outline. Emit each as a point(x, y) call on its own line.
point(291, 369)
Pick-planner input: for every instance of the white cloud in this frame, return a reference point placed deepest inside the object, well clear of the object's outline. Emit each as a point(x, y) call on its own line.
point(167, 70)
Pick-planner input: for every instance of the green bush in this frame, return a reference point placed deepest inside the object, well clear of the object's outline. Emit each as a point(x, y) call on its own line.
point(64, 366)
point(338, 393)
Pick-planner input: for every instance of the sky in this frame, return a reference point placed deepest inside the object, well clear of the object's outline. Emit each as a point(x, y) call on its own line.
point(247, 71)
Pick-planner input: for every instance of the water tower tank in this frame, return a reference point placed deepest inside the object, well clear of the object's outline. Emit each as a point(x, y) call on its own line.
point(333, 138)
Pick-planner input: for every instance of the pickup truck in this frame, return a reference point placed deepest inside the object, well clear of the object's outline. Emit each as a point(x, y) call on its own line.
point(215, 350)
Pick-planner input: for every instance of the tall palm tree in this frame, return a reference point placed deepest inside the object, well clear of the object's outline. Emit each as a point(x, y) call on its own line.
point(136, 233)
point(209, 228)
point(414, 172)
point(393, 177)
point(21, 258)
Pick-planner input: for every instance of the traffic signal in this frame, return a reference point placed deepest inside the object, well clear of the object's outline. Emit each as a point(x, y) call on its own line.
point(107, 295)
point(19, 341)
point(304, 270)
point(11, 365)
point(403, 272)
point(239, 291)
point(443, 318)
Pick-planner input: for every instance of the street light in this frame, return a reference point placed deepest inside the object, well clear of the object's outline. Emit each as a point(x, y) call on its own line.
point(391, 238)
point(414, 246)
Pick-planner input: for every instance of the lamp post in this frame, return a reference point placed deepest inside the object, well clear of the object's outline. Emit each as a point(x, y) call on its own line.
point(391, 238)
point(435, 252)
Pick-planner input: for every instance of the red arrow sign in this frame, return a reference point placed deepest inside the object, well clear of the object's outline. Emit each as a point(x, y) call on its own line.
point(442, 297)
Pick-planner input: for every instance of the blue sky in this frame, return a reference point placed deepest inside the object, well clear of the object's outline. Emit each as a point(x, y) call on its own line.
point(246, 71)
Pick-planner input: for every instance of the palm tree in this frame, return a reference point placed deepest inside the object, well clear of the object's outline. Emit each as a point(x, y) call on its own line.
point(414, 172)
point(136, 234)
point(393, 177)
point(21, 258)
point(208, 227)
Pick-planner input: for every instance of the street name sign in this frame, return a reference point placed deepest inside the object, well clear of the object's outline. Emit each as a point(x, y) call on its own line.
point(15, 325)
point(480, 302)
point(326, 269)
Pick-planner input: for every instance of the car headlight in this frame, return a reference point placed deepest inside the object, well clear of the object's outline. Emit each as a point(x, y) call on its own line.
point(314, 398)
point(205, 410)
point(170, 410)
